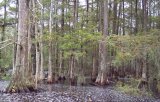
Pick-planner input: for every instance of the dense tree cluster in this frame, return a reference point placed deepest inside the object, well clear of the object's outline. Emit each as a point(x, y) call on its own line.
point(100, 39)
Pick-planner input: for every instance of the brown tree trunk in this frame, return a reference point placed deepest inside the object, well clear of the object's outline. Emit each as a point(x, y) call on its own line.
point(87, 4)
point(22, 79)
point(72, 77)
point(94, 65)
point(101, 79)
point(144, 70)
point(118, 22)
point(136, 11)
point(115, 17)
point(123, 18)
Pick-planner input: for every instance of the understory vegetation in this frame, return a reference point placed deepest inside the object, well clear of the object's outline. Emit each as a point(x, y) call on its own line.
point(124, 55)
point(95, 42)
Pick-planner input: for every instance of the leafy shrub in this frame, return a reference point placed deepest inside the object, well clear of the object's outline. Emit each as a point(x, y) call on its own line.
point(131, 88)
point(128, 89)
point(6, 77)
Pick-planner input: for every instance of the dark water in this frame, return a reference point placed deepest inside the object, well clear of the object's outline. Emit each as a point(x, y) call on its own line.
point(61, 93)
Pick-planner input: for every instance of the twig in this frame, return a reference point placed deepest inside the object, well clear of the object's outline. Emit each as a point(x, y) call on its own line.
point(5, 41)
point(40, 4)
point(6, 45)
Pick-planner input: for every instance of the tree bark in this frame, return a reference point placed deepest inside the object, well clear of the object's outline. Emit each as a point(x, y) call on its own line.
point(94, 65)
point(22, 79)
point(115, 17)
point(123, 18)
point(15, 39)
point(41, 46)
point(101, 79)
point(136, 11)
point(118, 22)
point(50, 76)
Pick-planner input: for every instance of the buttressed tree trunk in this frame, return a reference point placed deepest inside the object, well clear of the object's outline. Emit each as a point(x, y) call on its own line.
point(22, 79)
point(101, 79)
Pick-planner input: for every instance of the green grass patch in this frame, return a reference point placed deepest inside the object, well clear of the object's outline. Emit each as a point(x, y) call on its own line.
point(127, 89)
point(131, 88)
point(6, 77)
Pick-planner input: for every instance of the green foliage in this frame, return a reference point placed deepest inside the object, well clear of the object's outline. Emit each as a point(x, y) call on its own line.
point(6, 62)
point(76, 42)
point(131, 88)
point(6, 77)
point(128, 89)
point(132, 47)
point(48, 37)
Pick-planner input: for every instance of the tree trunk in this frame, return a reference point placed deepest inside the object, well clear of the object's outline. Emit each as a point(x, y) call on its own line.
point(143, 84)
point(101, 79)
point(115, 17)
point(15, 39)
point(123, 18)
point(94, 70)
point(131, 18)
point(145, 16)
point(41, 47)
point(87, 4)
point(60, 64)
point(50, 79)
point(75, 13)
point(22, 79)
point(118, 22)
point(100, 16)
point(94, 65)
point(72, 70)
point(136, 11)
point(144, 70)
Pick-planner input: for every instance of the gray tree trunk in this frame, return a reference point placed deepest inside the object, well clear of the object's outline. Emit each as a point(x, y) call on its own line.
point(41, 47)
point(50, 79)
point(22, 79)
point(101, 79)
point(15, 39)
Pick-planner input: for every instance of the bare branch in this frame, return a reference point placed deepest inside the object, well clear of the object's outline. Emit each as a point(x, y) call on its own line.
point(5, 41)
point(40, 4)
point(7, 24)
point(6, 45)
